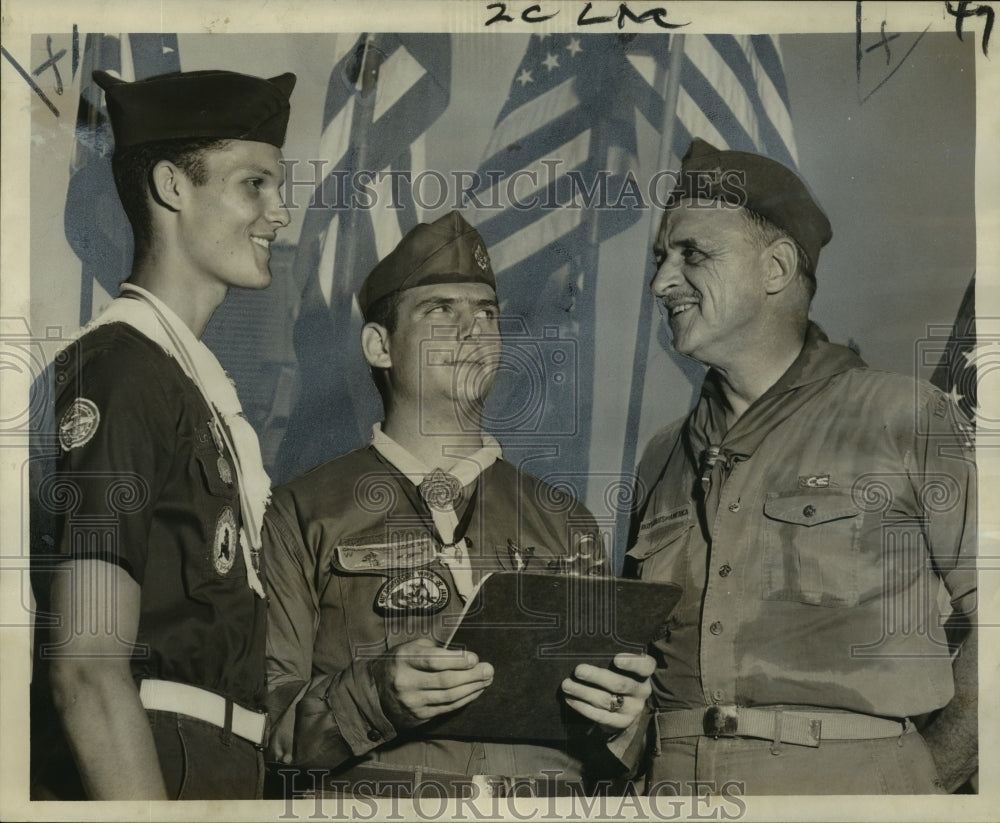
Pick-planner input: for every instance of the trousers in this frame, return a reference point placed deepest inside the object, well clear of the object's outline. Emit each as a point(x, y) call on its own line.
point(200, 761)
point(745, 766)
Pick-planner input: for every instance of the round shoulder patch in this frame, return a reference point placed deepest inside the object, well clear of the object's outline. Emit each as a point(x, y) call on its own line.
point(78, 424)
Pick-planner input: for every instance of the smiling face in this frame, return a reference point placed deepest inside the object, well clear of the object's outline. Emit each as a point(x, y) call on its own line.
point(446, 344)
point(229, 221)
point(710, 278)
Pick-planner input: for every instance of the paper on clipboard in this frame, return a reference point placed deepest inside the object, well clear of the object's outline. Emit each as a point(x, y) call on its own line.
point(535, 629)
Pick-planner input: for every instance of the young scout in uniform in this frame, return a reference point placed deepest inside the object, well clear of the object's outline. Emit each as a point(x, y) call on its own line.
point(371, 553)
point(157, 664)
point(811, 508)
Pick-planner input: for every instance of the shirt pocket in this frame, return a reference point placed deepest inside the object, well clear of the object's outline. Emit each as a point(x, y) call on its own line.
point(811, 547)
point(217, 472)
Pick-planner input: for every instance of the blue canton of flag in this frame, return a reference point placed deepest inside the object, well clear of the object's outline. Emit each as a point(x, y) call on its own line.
point(383, 95)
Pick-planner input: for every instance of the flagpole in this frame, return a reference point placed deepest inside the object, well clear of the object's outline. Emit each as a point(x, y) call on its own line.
point(365, 84)
point(671, 85)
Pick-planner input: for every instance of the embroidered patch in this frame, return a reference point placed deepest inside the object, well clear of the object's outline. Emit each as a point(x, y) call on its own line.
point(421, 591)
point(225, 546)
point(814, 481)
point(676, 514)
point(78, 424)
point(482, 258)
point(398, 554)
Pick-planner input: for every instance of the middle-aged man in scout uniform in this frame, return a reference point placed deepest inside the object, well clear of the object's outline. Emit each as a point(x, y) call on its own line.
point(811, 508)
point(371, 553)
point(157, 663)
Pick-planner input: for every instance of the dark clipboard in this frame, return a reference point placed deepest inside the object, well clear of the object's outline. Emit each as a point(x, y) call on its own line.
point(535, 629)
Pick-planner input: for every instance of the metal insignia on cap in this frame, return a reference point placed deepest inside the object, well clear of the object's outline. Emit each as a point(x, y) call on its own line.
point(78, 424)
point(482, 258)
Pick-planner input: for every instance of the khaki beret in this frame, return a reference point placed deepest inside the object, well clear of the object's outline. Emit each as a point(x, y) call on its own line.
point(448, 250)
point(223, 105)
point(759, 184)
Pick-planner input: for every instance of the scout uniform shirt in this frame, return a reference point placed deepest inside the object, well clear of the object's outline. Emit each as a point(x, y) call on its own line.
point(354, 569)
point(810, 540)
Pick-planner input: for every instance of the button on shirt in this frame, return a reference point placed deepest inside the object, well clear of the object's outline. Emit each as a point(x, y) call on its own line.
point(853, 489)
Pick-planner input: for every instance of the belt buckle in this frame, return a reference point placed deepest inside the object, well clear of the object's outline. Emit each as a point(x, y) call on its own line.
point(720, 721)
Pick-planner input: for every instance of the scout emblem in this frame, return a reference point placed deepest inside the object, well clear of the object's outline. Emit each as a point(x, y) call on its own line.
point(225, 473)
point(224, 548)
point(482, 259)
point(422, 591)
point(440, 490)
point(78, 424)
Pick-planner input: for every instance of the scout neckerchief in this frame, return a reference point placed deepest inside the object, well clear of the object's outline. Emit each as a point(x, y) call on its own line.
point(153, 318)
point(714, 451)
point(441, 490)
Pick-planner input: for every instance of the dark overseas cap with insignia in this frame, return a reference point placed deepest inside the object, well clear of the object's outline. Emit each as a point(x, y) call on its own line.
point(770, 189)
point(223, 105)
point(448, 250)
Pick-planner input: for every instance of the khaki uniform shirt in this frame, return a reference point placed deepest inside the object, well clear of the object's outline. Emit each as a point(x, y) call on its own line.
point(812, 552)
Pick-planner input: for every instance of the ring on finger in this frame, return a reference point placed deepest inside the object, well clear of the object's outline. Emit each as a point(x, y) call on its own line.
point(617, 701)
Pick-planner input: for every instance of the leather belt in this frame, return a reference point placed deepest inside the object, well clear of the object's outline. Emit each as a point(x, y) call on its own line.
point(379, 780)
point(800, 727)
point(168, 696)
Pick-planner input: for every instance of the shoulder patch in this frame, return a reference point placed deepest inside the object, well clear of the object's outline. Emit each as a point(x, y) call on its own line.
point(78, 424)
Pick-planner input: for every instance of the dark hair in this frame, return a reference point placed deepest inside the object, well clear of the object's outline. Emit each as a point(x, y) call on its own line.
point(762, 232)
point(133, 171)
point(385, 311)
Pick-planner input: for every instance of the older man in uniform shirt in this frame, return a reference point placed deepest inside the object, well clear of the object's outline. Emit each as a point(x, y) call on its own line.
point(157, 663)
point(370, 554)
point(811, 507)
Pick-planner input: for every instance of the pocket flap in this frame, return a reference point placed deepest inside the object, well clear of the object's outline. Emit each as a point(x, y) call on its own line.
point(810, 509)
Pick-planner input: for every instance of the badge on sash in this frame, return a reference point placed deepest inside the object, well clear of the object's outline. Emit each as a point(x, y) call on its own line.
point(421, 591)
point(78, 424)
point(225, 472)
point(225, 546)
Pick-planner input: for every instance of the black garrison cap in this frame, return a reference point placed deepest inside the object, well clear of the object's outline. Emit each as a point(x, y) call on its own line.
point(197, 104)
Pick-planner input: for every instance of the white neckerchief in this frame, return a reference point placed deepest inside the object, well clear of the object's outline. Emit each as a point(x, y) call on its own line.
point(153, 318)
point(454, 554)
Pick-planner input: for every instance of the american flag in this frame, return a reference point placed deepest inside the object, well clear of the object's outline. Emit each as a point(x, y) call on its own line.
point(382, 96)
point(957, 371)
point(576, 105)
point(96, 226)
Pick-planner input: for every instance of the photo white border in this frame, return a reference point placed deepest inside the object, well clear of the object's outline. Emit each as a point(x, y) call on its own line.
point(21, 18)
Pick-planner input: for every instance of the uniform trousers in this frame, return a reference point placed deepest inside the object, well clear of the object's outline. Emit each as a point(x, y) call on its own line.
point(747, 766)
point(201, 761)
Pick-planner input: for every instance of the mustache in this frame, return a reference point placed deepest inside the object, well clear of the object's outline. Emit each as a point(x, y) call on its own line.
point(677, 298)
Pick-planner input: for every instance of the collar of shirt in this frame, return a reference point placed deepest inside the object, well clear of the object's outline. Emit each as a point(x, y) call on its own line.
point(453, 553)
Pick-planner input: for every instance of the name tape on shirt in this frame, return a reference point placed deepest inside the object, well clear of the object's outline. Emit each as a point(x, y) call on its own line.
point(380, 556)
